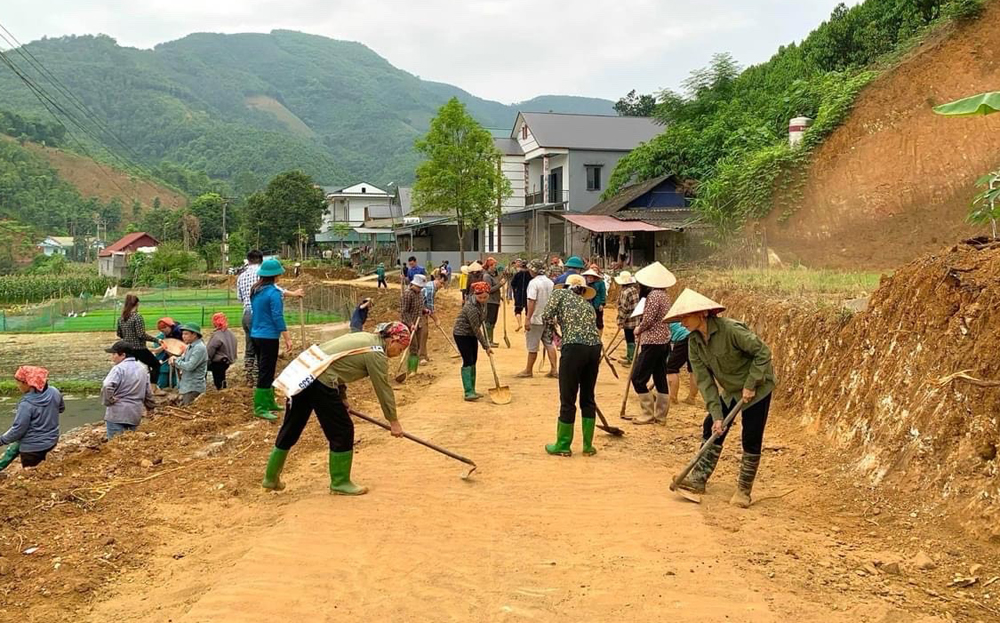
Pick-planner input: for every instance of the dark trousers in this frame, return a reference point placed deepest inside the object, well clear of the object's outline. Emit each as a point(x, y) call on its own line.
point(600, 318)
point(629, 336)
point(382, 283)
point(249, 351)
point(468, 346)
point(492, 313)
point(31, 459)
point(754, 420)
point(218, 370)
point(578, 368)
point(651, 362)
point(143, 355)
point(330, 411)
point(267, 361)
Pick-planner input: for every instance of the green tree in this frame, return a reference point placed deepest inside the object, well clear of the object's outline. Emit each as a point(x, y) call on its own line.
point(208, 209)
point(633, 105)
point(291, 202)
point(460, 175)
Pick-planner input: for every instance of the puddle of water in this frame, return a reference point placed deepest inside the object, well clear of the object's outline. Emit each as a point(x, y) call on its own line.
point(80, 410)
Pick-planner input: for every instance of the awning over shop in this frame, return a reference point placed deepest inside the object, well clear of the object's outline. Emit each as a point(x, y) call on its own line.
point(606, 224)
point(374, 230)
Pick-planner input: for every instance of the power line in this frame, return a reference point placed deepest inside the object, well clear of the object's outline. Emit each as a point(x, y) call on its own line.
point(62, 88)
point(41, 92)
point(42, 97)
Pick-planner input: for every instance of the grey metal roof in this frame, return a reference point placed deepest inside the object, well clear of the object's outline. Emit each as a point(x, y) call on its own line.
point(405, 196)
point(596, 132)
point(626, 195)
point(670, 218)
point(384, 211)
point(508, 146)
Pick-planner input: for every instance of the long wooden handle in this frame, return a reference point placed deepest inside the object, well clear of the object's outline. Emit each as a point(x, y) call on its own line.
point(426, 444)
point(628, 386)
point(705, 446)
point(302, 321)
point(446, 336)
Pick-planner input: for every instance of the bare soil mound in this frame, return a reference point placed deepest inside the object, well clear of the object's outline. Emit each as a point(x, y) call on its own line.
point(895, 180)
point(911, 386)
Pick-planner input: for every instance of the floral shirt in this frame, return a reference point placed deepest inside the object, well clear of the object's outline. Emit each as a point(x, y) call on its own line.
point(576, 317)
point(653, 329)
point(627, 300)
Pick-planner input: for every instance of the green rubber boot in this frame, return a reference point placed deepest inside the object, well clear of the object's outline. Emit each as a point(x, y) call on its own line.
point(8, 457)
point(262, 404)
point(272, 404)
point(477, 394)
point(629, 355)
point(272, 474)
point(340, 475)
point(412, 363)
point(588, 424)
point(489, 335)
point(468, 384)
point(744, 483)
point(564, 440)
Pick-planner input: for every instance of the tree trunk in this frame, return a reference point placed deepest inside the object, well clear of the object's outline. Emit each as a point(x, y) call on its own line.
point(461, 238)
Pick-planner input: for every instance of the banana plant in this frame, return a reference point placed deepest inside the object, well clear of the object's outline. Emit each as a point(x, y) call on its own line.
point(984, 206)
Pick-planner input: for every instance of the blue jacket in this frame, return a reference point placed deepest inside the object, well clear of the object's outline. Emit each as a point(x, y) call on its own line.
point(562, 278)
point(36, 424)
point(268, 314)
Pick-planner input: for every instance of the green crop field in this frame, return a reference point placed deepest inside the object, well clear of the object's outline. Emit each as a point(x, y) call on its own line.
point(183, 305)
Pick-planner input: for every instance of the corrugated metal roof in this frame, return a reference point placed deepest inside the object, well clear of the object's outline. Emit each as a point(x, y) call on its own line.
point(597, 132)
point(508, 146)
point(626, 196)
point(672, 218)
point(601, 224)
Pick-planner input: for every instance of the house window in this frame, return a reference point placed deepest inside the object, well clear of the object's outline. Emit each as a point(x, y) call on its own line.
point(524, 131)
point(593, 176)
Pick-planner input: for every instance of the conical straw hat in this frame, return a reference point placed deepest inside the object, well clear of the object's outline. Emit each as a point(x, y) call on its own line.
point(655, 275)
point(624, 278)
point(690, 302)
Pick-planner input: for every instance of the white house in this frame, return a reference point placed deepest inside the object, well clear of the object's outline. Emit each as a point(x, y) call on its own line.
point(51, 246)
point(350, 205)
point(564, 165)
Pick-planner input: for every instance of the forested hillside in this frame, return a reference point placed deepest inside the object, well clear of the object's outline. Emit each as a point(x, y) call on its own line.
point(244, 107)
point(728, 129)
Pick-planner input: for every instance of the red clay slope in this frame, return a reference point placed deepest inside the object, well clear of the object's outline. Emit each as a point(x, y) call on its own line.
point(895, 181)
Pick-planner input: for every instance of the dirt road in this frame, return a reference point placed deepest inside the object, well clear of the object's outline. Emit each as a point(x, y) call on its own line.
point(530, 537)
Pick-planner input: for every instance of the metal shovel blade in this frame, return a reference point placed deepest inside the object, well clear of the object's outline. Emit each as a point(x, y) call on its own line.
point(500, 395)
point(687, 495)
point(468, 473)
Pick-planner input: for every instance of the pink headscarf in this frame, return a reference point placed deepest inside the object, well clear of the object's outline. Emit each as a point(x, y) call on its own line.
point(395, 329)
point(220, 321)
point(32, 375)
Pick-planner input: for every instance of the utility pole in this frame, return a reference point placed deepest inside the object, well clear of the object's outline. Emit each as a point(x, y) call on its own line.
point(225, 237)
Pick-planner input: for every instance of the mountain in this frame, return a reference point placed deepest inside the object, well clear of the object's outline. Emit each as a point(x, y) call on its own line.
point(257, 104)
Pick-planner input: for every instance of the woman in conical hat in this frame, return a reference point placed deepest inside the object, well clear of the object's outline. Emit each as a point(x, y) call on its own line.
point(725, 353)
point(653, 335)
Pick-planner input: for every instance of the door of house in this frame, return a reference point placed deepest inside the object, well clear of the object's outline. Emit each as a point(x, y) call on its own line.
point(555, 185)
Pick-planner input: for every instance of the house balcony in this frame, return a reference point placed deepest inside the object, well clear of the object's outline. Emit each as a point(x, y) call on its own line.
point(540, 198)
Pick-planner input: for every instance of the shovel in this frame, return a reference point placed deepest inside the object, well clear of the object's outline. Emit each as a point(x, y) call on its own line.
point(400, 375)
point(610, 365)
point(611, 430)
point(426, 444)
point(457, 354)
point(675, 484)
point(500, 395)
point(628, 386)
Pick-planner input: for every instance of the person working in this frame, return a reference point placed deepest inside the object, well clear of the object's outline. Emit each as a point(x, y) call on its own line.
point(267, 328)
point(725, 354)
point(192, 365)
point(569, 308)
point(537, 296)
point(360, 315)
point(327, 398)
point(35, 429)
point(221, 350)
point(468, 334)
point(125, 393)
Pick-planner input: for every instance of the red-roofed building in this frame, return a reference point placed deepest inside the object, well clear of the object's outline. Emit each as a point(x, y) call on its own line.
point(112, 261)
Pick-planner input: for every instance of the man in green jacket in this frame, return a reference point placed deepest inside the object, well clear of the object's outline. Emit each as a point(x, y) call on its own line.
point(726, 354)
point(363, 355)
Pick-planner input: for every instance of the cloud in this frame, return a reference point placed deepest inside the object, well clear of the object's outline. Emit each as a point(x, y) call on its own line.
point(507, 50)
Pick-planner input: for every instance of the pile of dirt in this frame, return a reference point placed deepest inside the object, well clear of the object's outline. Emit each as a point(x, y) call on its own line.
point(339, 272)
point(911, 386)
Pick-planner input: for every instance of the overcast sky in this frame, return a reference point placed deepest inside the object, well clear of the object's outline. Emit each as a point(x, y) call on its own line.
point(505, 50)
